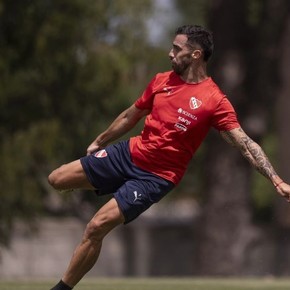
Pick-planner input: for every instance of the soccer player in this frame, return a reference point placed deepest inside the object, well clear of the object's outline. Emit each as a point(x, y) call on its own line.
point(180, 107)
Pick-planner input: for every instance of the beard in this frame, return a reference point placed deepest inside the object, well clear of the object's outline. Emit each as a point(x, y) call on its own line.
point(179, 69)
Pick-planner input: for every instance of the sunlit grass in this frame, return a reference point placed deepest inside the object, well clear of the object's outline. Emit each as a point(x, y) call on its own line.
point(157, 284)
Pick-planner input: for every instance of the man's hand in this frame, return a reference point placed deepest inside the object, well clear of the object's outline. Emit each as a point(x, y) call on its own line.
point(284, 190)
point(93, 147)
point(121, 125)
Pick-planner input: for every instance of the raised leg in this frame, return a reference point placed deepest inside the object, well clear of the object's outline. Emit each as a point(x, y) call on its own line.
point(69, 176)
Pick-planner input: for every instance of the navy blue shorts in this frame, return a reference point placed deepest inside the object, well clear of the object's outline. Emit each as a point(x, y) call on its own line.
point(111, 171)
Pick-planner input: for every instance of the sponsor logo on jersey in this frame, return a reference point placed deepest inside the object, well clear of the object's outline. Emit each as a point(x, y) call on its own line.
point(168, 90)
point(187, 114)
point(184, 120)
point(180, 127)
point(101, 154)
point(194, 103)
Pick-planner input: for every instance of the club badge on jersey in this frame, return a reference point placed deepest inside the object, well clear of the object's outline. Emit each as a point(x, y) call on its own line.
point(101, 153)
point(194, 103)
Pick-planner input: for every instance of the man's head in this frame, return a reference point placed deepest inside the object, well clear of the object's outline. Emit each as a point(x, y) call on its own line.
point(192, 44)
point(198, 36)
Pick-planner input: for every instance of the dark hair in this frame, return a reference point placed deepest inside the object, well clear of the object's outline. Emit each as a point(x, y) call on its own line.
point(197, 34)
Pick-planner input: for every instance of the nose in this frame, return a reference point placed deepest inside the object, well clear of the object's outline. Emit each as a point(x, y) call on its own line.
point(170, 54)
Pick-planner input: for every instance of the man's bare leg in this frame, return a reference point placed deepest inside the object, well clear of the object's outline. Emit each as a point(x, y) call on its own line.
point(69, 176)
point(72, 176)
point(87, 252)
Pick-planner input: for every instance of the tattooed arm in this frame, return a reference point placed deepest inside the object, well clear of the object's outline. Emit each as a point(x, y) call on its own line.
point(257, 158)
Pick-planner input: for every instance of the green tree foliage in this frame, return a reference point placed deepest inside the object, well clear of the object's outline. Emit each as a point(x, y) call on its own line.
point(67, 68)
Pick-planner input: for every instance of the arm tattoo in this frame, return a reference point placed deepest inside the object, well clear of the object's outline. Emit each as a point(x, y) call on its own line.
point(251, 151)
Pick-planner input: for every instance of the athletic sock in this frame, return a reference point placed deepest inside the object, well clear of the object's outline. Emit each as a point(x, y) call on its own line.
point(61, 286)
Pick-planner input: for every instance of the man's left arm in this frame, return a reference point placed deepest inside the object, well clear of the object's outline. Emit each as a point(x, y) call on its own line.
point(257, 158)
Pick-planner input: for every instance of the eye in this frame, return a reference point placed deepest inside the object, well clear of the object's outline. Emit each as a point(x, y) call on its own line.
point(176, 48)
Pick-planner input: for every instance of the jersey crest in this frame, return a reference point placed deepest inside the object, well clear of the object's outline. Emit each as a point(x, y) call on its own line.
point(194, 103)
point(101, 153)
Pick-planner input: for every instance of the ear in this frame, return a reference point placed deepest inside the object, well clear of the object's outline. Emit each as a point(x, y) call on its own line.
point(196, 54)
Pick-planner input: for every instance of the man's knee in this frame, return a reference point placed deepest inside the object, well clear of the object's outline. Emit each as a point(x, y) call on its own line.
point(95, 230)
point(69, 176)
point(55, 179)
point(100, 226)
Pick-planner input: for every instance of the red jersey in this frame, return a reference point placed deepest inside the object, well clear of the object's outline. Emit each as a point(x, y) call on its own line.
point(180, 118)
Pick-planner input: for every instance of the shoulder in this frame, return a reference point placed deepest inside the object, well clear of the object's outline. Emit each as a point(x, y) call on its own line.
point(215, 89)
point(164, 79)
point(217, 96)
point(211, 94)
point(165, 74)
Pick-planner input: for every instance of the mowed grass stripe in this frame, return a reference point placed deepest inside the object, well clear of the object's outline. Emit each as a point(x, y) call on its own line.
point(157, 284)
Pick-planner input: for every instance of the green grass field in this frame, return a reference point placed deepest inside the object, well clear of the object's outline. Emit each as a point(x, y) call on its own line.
point(158, 284)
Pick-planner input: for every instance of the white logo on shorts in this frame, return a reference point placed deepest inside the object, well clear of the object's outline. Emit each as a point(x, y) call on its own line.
point(137, 195)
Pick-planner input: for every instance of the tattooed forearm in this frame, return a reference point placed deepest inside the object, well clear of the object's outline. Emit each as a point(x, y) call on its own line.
point(260, 160)
point(251, 151)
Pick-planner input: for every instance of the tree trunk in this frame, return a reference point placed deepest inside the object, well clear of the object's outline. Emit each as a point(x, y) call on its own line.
point(244, 64)
point(226, 227)
point(283, 129)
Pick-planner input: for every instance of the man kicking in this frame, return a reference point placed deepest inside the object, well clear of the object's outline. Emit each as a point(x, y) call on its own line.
point(180, 108)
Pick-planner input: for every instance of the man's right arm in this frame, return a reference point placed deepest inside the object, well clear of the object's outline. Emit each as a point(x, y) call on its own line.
point(121, 125)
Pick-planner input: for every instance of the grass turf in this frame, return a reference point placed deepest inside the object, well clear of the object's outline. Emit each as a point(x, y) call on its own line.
point(157, 284)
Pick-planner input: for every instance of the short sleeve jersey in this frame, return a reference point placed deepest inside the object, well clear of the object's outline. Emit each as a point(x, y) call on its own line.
point(181, 115)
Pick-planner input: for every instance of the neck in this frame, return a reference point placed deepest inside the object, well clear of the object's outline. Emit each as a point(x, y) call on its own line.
point(195, 74)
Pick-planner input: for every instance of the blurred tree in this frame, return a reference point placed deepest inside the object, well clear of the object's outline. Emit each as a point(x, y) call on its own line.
point(282, 213)
point(247, 71)
point(67, 68)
